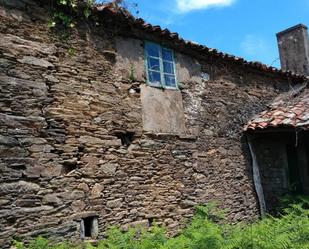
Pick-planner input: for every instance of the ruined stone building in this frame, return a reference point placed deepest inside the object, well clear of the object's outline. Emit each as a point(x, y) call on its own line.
point(127, 124)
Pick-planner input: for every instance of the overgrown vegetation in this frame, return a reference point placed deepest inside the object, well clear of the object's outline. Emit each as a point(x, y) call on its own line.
point(65, 13)
point(66, 10)
point(290, 230)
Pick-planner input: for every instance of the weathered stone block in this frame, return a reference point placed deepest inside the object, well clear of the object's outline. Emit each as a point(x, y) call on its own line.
point(51, 170)
point(83, 186)
point(22, 186)
point(78, 206)
point(114, 203)
point(20, 45)
point(8, 141)
point(52, 199)
point(109, 168)
point(97, 190)
point(36, 62)
point(75, 195)
point(97, 141)
point(18, 4)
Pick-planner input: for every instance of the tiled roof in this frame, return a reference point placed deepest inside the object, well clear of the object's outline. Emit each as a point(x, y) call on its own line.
point(139, 23)
point(286, 111)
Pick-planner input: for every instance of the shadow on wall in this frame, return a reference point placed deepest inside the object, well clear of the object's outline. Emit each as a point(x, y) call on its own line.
point(282, 158)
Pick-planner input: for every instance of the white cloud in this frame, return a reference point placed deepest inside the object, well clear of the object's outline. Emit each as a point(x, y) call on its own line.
point(189, 5)
point(257, 48)
point(253, 45)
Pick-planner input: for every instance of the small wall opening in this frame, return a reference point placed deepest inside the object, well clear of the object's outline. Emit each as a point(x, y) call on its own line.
point(68, 166)
point(125, 137)
point(81, 148)
point(89, 228)
point(150, 221)
point(11, 221)
point(18, 167)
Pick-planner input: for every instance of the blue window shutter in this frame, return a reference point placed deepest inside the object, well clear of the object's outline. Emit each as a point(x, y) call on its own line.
point(160, 66)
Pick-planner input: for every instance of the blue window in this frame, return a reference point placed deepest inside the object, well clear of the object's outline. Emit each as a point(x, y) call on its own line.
point(160, 66)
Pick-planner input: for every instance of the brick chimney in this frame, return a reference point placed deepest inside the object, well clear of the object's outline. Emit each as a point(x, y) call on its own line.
point(294, 49)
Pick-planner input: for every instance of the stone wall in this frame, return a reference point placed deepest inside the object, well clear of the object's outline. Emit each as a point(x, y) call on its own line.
point(73, 145)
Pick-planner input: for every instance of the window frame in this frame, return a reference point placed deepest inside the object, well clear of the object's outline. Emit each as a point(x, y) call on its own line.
point(161, 67)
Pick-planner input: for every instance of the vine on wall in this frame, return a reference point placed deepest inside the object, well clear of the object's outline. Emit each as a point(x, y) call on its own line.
point(66, 12)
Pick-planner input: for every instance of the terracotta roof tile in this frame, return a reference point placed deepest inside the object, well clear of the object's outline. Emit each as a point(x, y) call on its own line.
point(294, 112)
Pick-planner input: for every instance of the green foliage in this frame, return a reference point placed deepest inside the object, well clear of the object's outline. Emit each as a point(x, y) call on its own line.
point(66, 12)
point(134, 238)
point(289, 231)
point(207, 231)
point(42, 243)
point(72, 52)
point(132, 73)
point(288, 200)
point(63, 19)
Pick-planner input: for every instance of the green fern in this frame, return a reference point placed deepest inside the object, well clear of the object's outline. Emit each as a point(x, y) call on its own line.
point(289, 230)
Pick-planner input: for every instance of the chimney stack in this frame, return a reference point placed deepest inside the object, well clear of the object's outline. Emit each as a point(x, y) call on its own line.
point(293, 49)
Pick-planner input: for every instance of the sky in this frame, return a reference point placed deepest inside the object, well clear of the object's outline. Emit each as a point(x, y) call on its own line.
point(244, 28)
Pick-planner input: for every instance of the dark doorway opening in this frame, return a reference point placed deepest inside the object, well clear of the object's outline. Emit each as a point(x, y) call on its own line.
point(294, 180)
point(282, 158)
point(151, 221)
point(89, 227)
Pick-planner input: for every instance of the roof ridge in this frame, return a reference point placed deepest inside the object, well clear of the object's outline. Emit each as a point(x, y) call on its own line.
point(166, 33)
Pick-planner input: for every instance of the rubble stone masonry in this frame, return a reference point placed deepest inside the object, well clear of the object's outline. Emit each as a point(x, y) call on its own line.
point(73, 144)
